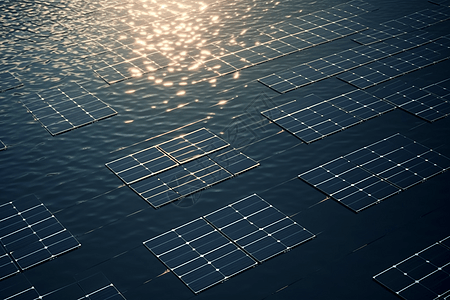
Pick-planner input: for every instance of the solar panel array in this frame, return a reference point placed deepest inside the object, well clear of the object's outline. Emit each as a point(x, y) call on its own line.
point(31, 234)
point(430, 103)
point(375, 172)
point(180, 167)
point(411, 22)
point(16, 288)
point(286, 37)
point(8, 81)
point(424, 275)
point(213, 248)
point(357, 57)
point(7, 265)
point(326, 117)
point(399, 64)
point(63, 109)
point(258, 228)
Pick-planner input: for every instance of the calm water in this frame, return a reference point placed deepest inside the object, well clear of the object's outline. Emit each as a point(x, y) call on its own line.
point(39, 45)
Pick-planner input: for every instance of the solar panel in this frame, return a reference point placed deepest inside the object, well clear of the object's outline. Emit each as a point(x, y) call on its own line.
point(199, 255)
point(426, 54)
point(154, 160)
point(349, 184)
point(258, 227)
point(400, 161)
point(31, 234)
point(426, 103)
point(63, 109)
point(393, 28)
point(8, 81)
point(424, 275)
point(311, 123)
point(7, 266)
point(16, 288)
point(180, 167)
point(370, 65)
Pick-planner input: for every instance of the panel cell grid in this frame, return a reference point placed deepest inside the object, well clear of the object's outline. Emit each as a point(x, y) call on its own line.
point(199, 255)
point(7, 265)
point(349, 184)
point(31, 234)
point(17, 287)
point(63, 109)
point(8, 81)
point(424, 275)
point(429, 103)
point(258, 227)
point(311, 123)
point(400, 161)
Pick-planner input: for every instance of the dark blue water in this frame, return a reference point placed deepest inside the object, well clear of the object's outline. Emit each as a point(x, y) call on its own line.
point(67, 172)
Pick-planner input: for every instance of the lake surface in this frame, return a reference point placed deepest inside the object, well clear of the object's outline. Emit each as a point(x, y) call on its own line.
point(42, 45)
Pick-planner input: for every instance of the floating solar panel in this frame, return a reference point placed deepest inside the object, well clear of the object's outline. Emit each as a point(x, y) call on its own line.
point(63, 109)
point(311, 123)
point(2, 146)
point(31, 234)
point(361, 104)
point(160, 158)
point(258, 227)
point(17, 288)
point(422, 276)
point(428, 53)
point(426, 103)
point(199, 255)
point(94, 287)
point(7, 266)
point(180, 167)
point(349, 184)
point(393, 28)
point(434, 50)
point(8, 81)
point(400, 161)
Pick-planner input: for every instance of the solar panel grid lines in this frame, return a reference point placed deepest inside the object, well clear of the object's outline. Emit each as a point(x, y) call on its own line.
point(258, 228)
point(424, 275)
point(373, 173)
point(204, 252)
point(17, 287)
point(349, 184)
point(7, 265)
point(233, 161)
point(429, 103)
point(60, 110)
point(199, 255)
point(31, 234)
point(8, 81)
point(2, 146)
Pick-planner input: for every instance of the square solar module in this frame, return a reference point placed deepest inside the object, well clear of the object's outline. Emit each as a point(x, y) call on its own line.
point(311, 123)
point(400, 161)
point(8, 81)
point(16, 288)
point(424, 275)
point(62, 109)
point(349, 184)
point(31, 234)
point(199, 255)
point(429, 103)
point(7, 266)
point(258, 227)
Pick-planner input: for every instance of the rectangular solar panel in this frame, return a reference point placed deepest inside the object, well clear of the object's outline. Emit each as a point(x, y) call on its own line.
point(31, 233)
point(311, 123)
point(400, 161)
point(63, 109)
point(16, 288)
point(233, 161)
point(199, 255)
point(8, 81)
point(258, 227)
point(349, 184)
point(7, 265)
point(424, 275)
point(429, 103)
